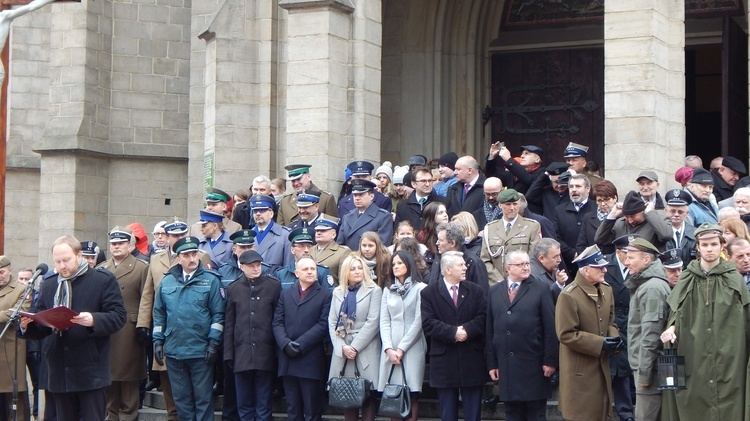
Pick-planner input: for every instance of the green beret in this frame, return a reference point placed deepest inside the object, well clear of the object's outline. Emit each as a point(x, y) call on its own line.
point(508, 195)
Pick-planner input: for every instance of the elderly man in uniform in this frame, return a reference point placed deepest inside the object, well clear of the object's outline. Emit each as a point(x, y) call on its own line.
point(575, 155)
point(366, 216)
point(585, 324)
point(78, 357)
point(271, 237)
point(299, 175)
point(511, 232)
point(521, 343)
point(309, 210)
point(126, 353)
point(188, 328)
point(703, 208)
point(678, 202)
point(634, 216)
point(362, 170)
point(327, 252)
point(249, 344)
point(468, 193)
point(214, 238)
point(159, 265)
point(648, 316)
point(302, 242)
point(11, 294)
point(726, 176)
point(709, 309)
point(738, 251)
point(672, 263)
point(90, 251)
point(216, 202)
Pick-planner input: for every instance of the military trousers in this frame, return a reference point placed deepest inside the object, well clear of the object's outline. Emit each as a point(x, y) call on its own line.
point(123, 400)
point(192, 388)
point(647, 402)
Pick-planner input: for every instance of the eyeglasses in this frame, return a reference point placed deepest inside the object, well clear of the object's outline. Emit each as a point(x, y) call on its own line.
point(521, 265)
point(160, 234)
point(260, 210)
point(422, 181)
point(491, 194)
point(604, 199)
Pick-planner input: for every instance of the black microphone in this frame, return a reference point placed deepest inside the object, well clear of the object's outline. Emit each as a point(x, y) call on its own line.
point(40, 270)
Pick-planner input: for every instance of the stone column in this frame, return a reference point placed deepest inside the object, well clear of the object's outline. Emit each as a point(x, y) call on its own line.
point(333, 85)
point(644, 90)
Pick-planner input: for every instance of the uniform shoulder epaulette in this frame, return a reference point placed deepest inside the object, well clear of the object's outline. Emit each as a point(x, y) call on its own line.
point(383, 211)
point(142, 260)
point(570, 287)
point(326, 192)
point(496, 221)
point(605, 283)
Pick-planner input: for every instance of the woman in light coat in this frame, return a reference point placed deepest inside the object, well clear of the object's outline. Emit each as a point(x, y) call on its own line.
point(354, 323)
point(401, 328)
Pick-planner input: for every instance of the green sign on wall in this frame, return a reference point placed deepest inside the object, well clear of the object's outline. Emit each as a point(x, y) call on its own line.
point(208, 170)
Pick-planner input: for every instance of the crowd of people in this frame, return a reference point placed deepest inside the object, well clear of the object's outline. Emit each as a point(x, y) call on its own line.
point(507, 269)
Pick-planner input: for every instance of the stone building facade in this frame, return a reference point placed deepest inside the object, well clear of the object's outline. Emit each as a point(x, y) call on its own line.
point(123, 110)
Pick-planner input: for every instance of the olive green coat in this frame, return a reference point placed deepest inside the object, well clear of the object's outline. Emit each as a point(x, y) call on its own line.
point(712, 335)
point(583, 317)
point(10, 296)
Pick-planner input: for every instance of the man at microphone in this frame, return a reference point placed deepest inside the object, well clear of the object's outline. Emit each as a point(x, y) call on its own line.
point(11, 294)
point(78, 357)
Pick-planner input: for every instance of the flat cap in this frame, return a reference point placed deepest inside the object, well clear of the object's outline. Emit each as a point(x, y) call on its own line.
point(591, 256)
point(649, 175)
point(508, 195)
point(4, 261)
point(250, 256)
point(533, 149)
point(734, 164)
point(678, 197)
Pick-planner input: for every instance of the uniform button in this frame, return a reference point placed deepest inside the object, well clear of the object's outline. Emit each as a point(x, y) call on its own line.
point(709, 330)
point(508, 311)
point(711, 381)
point(598, 306)
point(601, 333)
point(122, 287)
point(511, 354)
point(252, 313)
point(253, 343)
point(508, 333)
point(600, 319)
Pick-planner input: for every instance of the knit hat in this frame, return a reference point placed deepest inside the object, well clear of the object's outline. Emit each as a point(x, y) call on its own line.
point(448, 160)
point(633, 204)
point(399, 173)
point(386, 168)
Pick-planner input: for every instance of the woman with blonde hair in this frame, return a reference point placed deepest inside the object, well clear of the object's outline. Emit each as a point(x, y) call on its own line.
point(354, 326)
point(469, 226)
point(733, 228)
point(376, 256)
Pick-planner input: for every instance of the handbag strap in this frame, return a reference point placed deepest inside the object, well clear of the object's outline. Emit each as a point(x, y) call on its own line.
point(403, 373)
point(343, 369)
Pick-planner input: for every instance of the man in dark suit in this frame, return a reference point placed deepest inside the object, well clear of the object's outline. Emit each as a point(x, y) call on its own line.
point(522, 345)
point(569, 216)
point(366, 216)
point(545, 265)
point(678, 202)
point(453, 317)
point(468, 194)
point(411, 208)
point(490, 209)
point(300, 326)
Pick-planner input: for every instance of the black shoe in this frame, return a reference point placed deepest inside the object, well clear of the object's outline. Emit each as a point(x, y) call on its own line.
point(151, 385)
point(629, 419)
point(492, 400)
point(218, 389)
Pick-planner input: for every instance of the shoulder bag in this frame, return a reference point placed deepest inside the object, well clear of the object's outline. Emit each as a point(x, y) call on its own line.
point(348, 392)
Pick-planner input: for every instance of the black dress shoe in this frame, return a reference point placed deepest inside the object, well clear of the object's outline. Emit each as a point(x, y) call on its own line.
point(151, 385)
point(629, 419)
point(492, 400)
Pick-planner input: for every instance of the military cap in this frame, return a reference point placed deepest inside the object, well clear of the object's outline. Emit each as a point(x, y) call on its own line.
point(533, 149)
point(214, 195)
point(362, 186)
point(633, 204)
point(707, 230)
point(301, 235)
point(678, 197)
point(508, 195)
point(186, 245)
point(207, 217)
point(591, 256)
point(650, 175)
point(734, 164)
point(296, 171)
point(243, 237)
point(250, 256)
point(564, 178)
point(322, 224)
point(261, 201)
point(574, 150)
point(89, 248)
point(361, 167)
point(671, 259)
point(418, 160)
point(307, 198)
point(640, 244)
point(4, 261)
point(622, 242)
point(701, 176)
point(557, 168)
point(120, 235)
point(176, 227)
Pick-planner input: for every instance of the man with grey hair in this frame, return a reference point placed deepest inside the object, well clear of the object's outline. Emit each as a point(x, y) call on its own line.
point(693, 161)
point(301, 180)
point(242, 213)
point(728, 213)
point(450, 237)
point(468, 193)
point(568, 217)
point(454, 318)
point(545, 265)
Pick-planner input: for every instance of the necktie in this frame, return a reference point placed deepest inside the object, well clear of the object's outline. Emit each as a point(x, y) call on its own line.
point(466, 190)
point(187, 278)
point(677, 238)
point(512, 291)
point(508, 227)
point(747, 279)
point(454, 294)
point(421, 202)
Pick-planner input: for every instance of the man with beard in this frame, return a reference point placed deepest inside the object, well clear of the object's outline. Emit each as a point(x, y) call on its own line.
point(678, 202)
point(490, 211)
point(726, 176)
point(546, 193)
point(649, 290)
point(703, 208)
point(739, 252)
point(569, 216)
point(708, 325)
point(299, 175)
point(634, 216)
point(648, 188)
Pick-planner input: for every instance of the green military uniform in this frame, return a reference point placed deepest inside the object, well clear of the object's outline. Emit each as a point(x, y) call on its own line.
point(331, 257)
point(496, 243)
point(289, 213)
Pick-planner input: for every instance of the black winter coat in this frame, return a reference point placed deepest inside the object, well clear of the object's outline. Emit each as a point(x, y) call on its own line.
point(568, 223)
point(409, 210)
point(474, 200)
point(618, 364)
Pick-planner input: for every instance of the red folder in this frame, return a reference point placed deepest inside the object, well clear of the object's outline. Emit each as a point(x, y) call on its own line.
point(56, 318)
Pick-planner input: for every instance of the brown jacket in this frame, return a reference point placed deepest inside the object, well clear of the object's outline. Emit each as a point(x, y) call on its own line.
point(10, 295)
point(331, 257)
point(583, 317)
point(126, 355)
point(289, 213)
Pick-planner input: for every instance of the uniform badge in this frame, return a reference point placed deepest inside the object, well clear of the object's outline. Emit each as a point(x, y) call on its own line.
point(223, 293)
point(673, 253)
point(631, 238)
point(329, 278)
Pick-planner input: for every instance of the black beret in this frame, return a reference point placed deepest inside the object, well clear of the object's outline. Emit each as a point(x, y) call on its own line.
point(734, 164)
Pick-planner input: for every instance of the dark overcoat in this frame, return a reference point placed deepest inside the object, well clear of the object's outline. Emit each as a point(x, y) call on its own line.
point(440, 320)
point(354, 225)
point(409, 210)
point(543, 198)
point(78, 358)
point(248, 339)
point(521, 339)
point(474, 200)
point(305, 322)
point(568, 224)
point(618, 364)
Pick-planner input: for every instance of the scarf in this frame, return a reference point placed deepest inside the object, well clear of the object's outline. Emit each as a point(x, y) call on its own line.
point(372, 264)
point(399, 288)
point(601, 215)
point(348, 312)
point(157, 248)
point(64, 293)
point(492, 212)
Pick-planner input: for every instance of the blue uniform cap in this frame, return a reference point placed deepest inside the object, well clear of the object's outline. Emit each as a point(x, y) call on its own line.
point(307, 198)
point(574, 150)
point(261, 201)
point(89, 248)
point(207, 216)
point(361, 168)
point(322, 224)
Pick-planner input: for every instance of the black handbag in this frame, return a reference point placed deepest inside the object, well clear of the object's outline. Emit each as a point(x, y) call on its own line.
point(348, 392)
point(396, 400)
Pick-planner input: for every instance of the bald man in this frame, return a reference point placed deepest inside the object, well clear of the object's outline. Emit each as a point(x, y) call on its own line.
point(468, 194)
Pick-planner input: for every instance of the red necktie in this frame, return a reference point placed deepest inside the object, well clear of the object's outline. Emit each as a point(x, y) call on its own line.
point(466, 190)
point(454, 294)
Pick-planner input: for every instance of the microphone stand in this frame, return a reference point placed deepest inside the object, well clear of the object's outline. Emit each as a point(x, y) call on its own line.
point(16, 320)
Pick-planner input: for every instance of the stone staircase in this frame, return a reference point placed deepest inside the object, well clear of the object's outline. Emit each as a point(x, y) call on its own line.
point(154, 408)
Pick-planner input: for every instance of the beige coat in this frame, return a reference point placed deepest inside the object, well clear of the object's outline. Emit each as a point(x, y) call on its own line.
point(289, 213)
point(496, 244)
point(157, 268)
point(10, 295)
point(331, 257)
point(582, 320)
point(126, 355)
